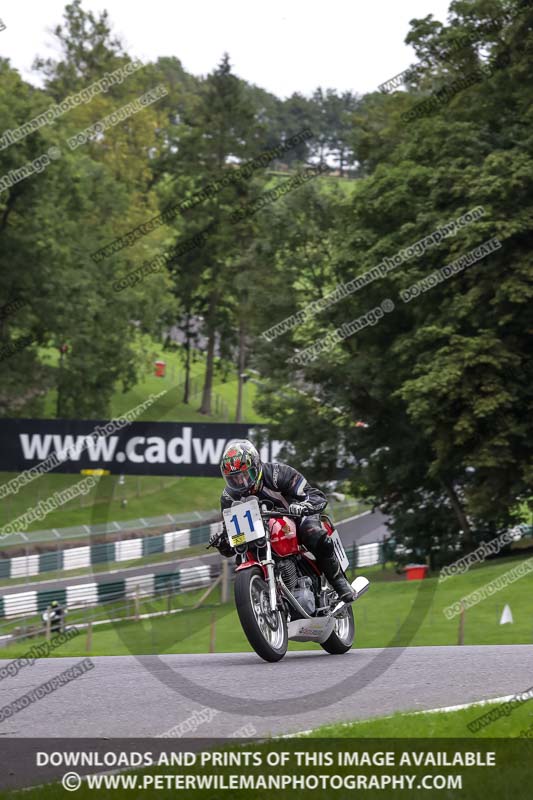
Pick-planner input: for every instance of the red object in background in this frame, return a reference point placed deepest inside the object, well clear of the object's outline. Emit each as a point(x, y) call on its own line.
point(160, 367)
point(63, 348)
point(416, 572)
point(361, 424)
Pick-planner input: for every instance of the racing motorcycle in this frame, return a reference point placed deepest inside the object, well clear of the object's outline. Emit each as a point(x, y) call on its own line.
point(280, 592)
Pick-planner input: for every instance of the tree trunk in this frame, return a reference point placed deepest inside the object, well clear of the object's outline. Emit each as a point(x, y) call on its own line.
point(205, 408)
point(240, 368)
point(59, 381)
point(187, 387)
point(459, 513)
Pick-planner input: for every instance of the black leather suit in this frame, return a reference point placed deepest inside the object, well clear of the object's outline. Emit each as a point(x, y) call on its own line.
point(283, 485)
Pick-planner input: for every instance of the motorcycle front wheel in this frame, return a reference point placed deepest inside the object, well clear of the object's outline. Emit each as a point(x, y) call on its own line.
point(265, 630)
point(343, 634)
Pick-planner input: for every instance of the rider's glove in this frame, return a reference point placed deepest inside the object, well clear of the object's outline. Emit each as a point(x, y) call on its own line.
point(213, 539)
point(220, 541)
point(300, 509)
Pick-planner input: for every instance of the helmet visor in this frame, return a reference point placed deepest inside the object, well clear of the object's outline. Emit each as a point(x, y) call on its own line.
point(243, 480)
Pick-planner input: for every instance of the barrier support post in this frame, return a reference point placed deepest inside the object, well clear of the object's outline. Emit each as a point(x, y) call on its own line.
point(212, 633)
point(208, 592)
point(137, 603)
point(461, 631)
point(225, 582)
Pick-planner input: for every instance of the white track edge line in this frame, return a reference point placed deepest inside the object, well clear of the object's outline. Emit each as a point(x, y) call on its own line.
point(357, 516)
point(412, 713)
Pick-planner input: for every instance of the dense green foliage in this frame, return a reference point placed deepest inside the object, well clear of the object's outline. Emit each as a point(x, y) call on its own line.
point(442, 383)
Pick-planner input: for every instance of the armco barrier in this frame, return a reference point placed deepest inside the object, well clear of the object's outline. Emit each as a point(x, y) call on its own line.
point(104, 553)
point(366, 555)
point(97, 592)
point(131, 549)
point(102, 528)
point(100, 591)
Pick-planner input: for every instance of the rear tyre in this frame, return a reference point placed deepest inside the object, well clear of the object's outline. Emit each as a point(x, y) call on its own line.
point(266, 631)
point(341, 639)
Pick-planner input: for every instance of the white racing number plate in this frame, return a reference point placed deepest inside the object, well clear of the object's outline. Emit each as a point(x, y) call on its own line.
point(340, 552)
point(243, 522)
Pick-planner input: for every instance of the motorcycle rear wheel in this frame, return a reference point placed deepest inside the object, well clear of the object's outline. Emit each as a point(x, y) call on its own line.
point(341, 640)
point(266, 631)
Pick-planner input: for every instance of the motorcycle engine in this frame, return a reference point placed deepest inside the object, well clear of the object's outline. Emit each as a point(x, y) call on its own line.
point(288, 573)
point(303, 592)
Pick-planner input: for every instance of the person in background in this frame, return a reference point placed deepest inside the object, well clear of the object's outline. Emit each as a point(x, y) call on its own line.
point(57, 617)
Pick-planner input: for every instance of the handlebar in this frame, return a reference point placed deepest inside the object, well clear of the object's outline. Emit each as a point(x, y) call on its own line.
point(282, 512)
point(274, 512)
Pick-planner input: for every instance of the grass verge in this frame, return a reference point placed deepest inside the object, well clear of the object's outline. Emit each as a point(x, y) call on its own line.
point(436, 725)
point(145, 496)
point(383, 618)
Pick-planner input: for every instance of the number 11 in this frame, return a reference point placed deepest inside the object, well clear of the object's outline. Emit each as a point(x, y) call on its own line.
point(248, 516)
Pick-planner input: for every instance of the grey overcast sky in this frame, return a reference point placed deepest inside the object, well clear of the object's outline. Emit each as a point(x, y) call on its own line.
point(283, 46)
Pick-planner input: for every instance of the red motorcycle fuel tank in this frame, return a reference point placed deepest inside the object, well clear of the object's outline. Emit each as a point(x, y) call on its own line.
point(283, 536)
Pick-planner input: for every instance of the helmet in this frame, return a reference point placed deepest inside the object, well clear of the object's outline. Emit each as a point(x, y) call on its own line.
point(54, 603)
point(241, 467)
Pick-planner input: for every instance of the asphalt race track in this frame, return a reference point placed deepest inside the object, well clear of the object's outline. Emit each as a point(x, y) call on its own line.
point(126, 696)
point(363, 529)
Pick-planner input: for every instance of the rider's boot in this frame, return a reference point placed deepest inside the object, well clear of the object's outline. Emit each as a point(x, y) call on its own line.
point(335, 577)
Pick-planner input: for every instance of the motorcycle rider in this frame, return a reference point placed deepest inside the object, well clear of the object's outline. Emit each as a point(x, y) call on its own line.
point(245, 475)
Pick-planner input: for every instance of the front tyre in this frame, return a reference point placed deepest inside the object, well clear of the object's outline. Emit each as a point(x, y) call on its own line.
point(265, 630)
point(341, 639)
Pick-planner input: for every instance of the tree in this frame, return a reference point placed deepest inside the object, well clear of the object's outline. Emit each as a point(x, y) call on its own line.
point(298, 113)
point(53, 221)
point(442, 381)
point(335, 126)
point(218, 129)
